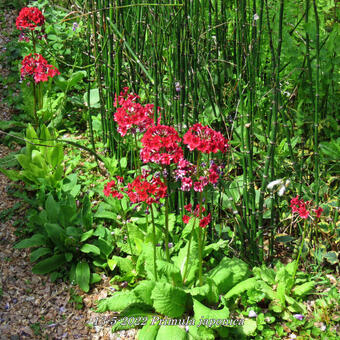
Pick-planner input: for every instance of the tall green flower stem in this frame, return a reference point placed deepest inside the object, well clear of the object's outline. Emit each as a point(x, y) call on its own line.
point(166, 221)
point(188, 251)
point(127, 228)
point(300, 250)
point(200, 244)
point(154, 242)
point(35, 104)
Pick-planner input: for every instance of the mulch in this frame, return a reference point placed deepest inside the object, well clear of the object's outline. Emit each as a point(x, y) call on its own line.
point(31, 306)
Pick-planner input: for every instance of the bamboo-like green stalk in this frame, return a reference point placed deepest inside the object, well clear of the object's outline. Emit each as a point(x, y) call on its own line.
point(270, 153)
point(316, 109)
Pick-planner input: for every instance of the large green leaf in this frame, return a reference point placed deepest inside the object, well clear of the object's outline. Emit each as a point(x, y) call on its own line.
point(83, 276)
point(35, 241)
point(169, 270)
point(211, 318)
point(241, 287)
point(208, 292)
point(144, 290)
point(56, 234)
point(169, 300)
point(53, 209)
point(49, 265)
point(228, 273)
point(148, 332)
point(180, 261)
point(90, 248)
point(36, 254)
point(304, 289)
point(118, 302)
point(171, 333)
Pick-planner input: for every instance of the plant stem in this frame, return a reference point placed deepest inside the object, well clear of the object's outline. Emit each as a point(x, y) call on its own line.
point(300, 250)
point(154, 242)
point(188, 251)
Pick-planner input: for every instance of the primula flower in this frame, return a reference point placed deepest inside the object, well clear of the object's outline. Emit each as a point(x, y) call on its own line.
point(186, 219)
point(298, 317)
point(132, 116)
point(205, 139)
point(205, 221)
point(141, 190)
point(108, 190)
point(29, 18)
point(186, 184)
point(160, 145)
point(318, 212)
point(38, 68)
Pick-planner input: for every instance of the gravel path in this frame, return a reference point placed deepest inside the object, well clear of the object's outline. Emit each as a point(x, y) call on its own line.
point(32, 307)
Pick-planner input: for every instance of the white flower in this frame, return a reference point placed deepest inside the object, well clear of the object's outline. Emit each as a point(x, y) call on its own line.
point(256, 17)
point(252, 314)
point(272, 184)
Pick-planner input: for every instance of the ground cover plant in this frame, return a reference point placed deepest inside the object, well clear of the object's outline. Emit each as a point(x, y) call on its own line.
point(189, 151)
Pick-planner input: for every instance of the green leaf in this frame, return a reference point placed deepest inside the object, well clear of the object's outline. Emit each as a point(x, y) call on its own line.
point(36, 254)
point(241, 287)
point(207, 292)
point(105, 247)
point(117, 302)
point(86, 235)
point(148, 332)
point(180, 261)
point(169, 300)
point(55, 233)
point(249, 327)
point(35, 241)
point(144, 290)
point(83, 276)
point(95, 278)
point(52, 208)
point(75, 78)
point(170, 270)
point(94, 98)
point(228, 273)
point(171, 333)
point(90, 248)
point(304, 289)
point(68, 257)
point(105, 214)
point(49, 265)
point(123, 162)
point(332, 257)
point(207, 317)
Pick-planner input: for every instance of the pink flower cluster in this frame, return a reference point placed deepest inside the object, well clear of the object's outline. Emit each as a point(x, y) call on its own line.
point(187, 173)
point(29, 18)
point(205, 139)
point(204, 221)
point(300, 207)
point(38, 68)
point(131, 116)
point(160, 145)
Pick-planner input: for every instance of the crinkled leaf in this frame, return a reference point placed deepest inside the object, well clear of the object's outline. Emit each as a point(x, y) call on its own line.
point(35, 241)
point(228, 273)
point(171, 333)
point(169, 300)
point(37, 253)
point(117, 302)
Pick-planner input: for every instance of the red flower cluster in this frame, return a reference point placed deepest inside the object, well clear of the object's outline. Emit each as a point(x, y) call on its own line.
point(29, 18)
point(160, 145)
point(204, 220)
point(141, 190)
point(299, 206)
point(205, 139)
point(109, 189)
point(37, 67)
point(131, 115)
